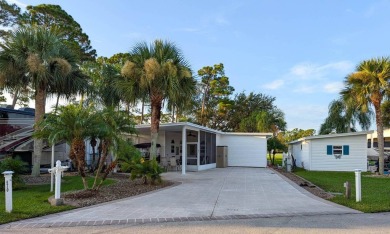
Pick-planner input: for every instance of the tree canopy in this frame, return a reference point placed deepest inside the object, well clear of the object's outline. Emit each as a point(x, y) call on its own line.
point(368, 85)
point(49, 15)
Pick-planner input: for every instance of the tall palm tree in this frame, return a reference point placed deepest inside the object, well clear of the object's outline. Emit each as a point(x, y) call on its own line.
point(367, 86)
point(343, 118)
point(161, 71)
point(43, 58)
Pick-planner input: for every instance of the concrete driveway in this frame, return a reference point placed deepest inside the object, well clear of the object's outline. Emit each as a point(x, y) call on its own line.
point(227, 193)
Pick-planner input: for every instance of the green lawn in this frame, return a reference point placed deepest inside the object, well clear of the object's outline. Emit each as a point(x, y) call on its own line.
point(375, 190)
point(278, 158)
point(32, 200)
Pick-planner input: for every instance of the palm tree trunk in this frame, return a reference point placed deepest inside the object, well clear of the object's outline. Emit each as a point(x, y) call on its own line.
point(379, 127)
point(155, 125)
point(78, 147)
point(15, 98)
point(40, 101)
point(111, 167)
point(93, 145)
point(142, 110)
point(173, 114)
point(105, 146)
point(58, 100)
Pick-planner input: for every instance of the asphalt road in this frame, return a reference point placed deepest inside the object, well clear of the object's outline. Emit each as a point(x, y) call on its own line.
point(343, 223)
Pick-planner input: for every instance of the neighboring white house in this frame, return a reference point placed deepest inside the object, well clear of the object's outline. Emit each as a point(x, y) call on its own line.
point(372, 140)
point(333, 152)
point(196, 145)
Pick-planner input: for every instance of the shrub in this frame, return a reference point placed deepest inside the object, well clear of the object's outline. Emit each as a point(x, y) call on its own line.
point(18, 167)
point(149, 171)
point(127, 155)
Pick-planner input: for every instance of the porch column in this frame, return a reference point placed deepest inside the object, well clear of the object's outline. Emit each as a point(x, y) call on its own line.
point(184, 150)
point(198, 151)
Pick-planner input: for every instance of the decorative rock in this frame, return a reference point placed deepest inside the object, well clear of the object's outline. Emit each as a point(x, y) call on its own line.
point(56, 202)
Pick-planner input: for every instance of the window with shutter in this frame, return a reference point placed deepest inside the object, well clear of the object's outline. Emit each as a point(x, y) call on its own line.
point(329, 150)
point(345, 149)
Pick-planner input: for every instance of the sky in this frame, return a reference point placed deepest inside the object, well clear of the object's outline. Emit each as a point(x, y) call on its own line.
point(296, 51)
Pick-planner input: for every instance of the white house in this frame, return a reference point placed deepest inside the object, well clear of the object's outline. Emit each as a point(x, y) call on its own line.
point(333, 152)
point(197, 145)
point(372, 140)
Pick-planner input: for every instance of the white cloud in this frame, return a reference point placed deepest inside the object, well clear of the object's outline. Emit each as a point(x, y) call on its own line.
point(303, 70)
point(19, 3)
point(274, 84)
point(314, 71)
point(333, 87)
point(342, 66)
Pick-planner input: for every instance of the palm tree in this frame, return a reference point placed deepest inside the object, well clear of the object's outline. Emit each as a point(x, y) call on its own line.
point(367, 86)
point(113, 125)
point(161, 71)
point(73, 124)
point(43, 58)
point(342, 118)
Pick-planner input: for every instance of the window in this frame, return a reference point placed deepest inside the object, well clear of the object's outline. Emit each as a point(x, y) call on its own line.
point(337, 149)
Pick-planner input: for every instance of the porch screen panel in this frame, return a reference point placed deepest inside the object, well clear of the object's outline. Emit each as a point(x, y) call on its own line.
point(214, 148)
point(202, 152)
point(209, 149)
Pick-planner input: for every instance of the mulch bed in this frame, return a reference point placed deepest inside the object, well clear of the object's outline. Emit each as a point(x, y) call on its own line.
point(123, 188)
point(315, 190)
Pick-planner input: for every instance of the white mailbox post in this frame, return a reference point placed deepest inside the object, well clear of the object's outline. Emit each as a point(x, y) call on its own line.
point(8, 190)
point(58, 171)
point(358, 183)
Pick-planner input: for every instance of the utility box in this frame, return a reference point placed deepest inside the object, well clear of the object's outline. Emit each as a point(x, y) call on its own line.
point(222, 156)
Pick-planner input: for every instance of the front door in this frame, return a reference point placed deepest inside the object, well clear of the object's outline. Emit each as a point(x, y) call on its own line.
point(192, 154)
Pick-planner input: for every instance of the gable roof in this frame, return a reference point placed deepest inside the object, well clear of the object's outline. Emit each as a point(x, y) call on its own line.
point(331, 136)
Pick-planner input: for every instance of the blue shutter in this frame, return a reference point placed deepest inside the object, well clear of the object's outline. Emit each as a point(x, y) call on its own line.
point(345, 149)
point(329, 150)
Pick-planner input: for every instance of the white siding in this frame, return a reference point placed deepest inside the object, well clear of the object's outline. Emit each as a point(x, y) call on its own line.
point(305, 162)
point(297, 153)
point(357, 158)
point(245, 151)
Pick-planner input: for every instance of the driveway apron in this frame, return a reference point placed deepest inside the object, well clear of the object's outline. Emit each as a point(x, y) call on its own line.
point(222, 193)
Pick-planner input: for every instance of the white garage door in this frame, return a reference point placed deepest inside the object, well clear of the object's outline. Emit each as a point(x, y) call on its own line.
point(246, 151)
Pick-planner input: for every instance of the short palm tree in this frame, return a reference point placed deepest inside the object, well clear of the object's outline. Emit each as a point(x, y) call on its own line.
point(73, 124)
point(161, 72)
point(343, 118)
point(368, 86)
point(112, 125)
point(43, 58)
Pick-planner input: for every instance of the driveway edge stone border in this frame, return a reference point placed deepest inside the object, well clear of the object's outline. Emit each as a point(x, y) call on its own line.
point(30, 220)
point(158, 220)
